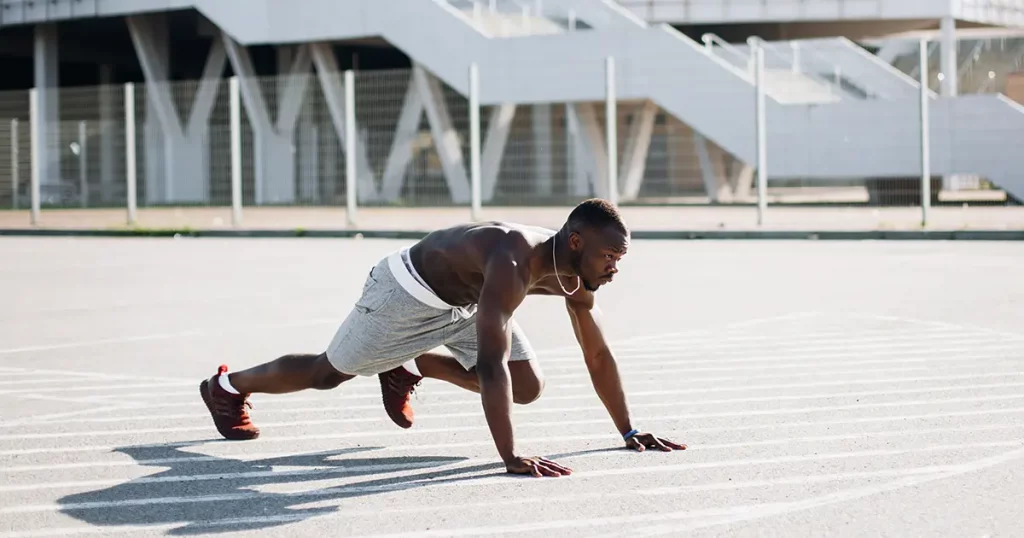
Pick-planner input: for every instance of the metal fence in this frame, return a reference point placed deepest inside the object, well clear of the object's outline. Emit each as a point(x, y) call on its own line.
point(285, 141)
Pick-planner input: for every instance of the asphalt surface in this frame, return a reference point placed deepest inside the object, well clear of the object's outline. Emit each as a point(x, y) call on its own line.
point(823, 388)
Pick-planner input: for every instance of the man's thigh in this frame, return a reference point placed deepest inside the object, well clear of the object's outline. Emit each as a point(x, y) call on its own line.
point(462, 342)
point(386, 328)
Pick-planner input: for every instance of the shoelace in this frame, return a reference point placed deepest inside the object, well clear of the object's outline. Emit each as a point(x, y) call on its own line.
point(234, 408)
point(403, 385)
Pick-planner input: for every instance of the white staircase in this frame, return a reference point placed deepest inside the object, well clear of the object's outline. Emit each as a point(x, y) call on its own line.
point(813, 133)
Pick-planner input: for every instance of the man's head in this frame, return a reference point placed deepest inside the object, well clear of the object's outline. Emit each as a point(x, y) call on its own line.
point(597, 239)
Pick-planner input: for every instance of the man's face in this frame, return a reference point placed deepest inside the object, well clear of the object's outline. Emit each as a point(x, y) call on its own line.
point(595, 254)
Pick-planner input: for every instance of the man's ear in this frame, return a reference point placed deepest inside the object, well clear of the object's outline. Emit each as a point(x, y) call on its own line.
point(575, 241)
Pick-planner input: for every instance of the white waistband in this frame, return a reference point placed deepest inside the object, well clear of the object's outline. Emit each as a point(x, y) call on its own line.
point(413, 286)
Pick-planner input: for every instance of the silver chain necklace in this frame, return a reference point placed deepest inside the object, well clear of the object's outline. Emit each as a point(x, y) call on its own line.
point(558, 278)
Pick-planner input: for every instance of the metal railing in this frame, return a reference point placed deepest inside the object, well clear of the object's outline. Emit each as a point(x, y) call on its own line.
point(510, 18)
point(792, 62)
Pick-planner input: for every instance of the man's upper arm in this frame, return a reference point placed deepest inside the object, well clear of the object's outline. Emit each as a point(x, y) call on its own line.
point(502, 292)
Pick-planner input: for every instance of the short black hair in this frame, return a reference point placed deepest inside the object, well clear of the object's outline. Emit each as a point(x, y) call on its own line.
point(596, 213)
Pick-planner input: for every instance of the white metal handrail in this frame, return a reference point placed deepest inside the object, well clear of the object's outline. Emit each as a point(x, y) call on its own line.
point(710, 39)
point(834, 85)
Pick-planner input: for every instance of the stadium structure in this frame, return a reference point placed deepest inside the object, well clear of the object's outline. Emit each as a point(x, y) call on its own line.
point(842, 96)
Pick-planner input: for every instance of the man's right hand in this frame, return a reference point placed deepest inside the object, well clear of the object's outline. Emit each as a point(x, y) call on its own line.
point(537, 466)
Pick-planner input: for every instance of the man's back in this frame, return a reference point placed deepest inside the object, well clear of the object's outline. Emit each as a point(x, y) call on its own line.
point(452, 260)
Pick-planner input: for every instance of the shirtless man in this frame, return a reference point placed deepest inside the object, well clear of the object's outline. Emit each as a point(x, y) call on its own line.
point(459, 288)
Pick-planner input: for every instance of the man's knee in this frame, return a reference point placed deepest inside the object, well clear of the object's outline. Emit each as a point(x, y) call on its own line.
point(527, 391)
point(326, 377)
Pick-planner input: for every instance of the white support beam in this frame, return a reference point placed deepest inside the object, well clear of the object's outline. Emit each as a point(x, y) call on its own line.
point(611, 132)
point(948, 58)
point(209, 87)
point(474, 141)
point(402, 144)
point(498, 128)
point(542, 149)
point(108, 126)
point(181, 167)
point(591, 155)
point(744, 183)
point(47, 126)
point(150, 39)
point(638, 143)
point(446, 139)
point(715, 185)
point(296, 81)
point(580, 158)
point(274, 141)
point(333, 89)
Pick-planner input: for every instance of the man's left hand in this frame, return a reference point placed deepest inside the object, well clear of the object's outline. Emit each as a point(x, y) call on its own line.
point(643, 441)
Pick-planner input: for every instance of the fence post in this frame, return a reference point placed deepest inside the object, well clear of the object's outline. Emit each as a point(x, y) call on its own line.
point(236, 150)
point(474, 140)
point(611, 131)
point(14, 164)
point(83, 177)
point(129, 141)
point(762, 135)
point(35, 131)
point(926, 164)
point(351, 199)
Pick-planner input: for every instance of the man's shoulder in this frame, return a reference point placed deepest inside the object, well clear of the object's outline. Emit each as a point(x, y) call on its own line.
point(507, 236)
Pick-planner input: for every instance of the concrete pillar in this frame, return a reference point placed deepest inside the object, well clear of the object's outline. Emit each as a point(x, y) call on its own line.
point(153, 135)
point(947, 57)
point(48, 104)
point(307, 132)
point(109, 133)
point(542, 144)
point(181, 172)
point(273, 144)
point(949, 86)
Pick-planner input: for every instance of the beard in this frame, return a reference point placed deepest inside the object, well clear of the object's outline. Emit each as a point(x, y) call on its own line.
point(575, 260)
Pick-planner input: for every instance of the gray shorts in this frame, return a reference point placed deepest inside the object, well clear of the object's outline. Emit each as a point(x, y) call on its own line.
point(397, 318)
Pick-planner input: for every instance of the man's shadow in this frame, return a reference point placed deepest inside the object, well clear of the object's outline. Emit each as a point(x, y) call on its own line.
point(217, 494)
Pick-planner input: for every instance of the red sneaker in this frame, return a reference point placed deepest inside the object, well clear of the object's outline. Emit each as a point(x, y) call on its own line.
point(228, 410)
point(396, 388)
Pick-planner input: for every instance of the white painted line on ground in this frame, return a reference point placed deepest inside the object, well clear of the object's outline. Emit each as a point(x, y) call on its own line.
point(50, 374)
point(628, 367)
point(97, 400)
point(938, 324)
point(719, 516)
point(83, 388)
point(39, 419)
point(749, 513)
point(548, 410)
point(707, 331)
point(349, 394)
point(815, 360)
point(100, 342)
point(349, 513)
point(628, 493)
point(473, 462)
point(251, 456)
point(67, 449)
point(163, 336)
point(281, 406)
point(754, 340)
point(782, 347)
point(658, 405)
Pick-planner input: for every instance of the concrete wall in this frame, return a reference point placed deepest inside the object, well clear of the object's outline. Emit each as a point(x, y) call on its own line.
point(744, 11)
point(999, 12)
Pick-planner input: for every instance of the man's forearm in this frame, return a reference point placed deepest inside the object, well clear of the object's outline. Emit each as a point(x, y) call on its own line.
point(496, 397)
point(604, 374)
